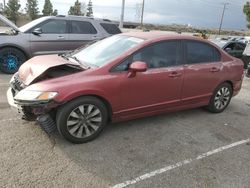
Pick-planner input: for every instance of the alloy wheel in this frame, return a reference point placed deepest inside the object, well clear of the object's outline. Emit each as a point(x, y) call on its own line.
point(222, 98)
point(84, 121)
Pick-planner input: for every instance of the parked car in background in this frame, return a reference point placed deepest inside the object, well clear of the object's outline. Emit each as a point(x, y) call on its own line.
point(246, 56)
point(123, 77)
point(49, 35)
point(248, 71)
point(234, 48)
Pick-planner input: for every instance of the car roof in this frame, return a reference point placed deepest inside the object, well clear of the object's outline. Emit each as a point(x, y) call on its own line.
point(80, 18)
point(154, 35)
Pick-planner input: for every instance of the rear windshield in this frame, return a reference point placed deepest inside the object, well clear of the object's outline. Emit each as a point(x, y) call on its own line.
point(111, 28)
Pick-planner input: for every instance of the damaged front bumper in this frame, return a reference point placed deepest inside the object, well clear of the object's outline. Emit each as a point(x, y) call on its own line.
point(37, 107)
point(40, 110)
point(10, 99)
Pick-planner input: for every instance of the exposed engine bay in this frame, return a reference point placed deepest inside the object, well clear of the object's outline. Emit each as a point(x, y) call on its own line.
point(58, 71)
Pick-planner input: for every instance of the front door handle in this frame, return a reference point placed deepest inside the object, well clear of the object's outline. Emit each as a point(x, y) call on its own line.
point(96, 37)
point(174, 74)
point(214, 69)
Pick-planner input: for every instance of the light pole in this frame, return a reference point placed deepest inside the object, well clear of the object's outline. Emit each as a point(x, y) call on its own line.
point(122, 14)
point(142, 12)
point(222, 16)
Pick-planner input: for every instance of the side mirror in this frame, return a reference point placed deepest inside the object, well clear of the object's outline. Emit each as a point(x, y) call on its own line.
point(37, 31)
point(137, 66)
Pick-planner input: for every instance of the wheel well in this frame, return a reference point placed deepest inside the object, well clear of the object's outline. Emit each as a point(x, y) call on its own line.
point(9, 46)
point(107, 104)
point(229, 82)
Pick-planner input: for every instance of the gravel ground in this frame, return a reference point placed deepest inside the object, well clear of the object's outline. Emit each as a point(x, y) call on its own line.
point(31, 158)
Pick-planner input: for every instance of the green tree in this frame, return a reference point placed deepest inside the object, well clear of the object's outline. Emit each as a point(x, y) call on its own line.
point(32, 9)
point(76, 9)
point(47, 8)
point(11, 10)
point(90, 9)
point(55, 12)
point(246, 10)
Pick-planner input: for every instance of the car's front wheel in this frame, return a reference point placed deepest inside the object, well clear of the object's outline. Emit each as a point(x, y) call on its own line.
point(221, 98)
point(82, 119)
point(11, 59)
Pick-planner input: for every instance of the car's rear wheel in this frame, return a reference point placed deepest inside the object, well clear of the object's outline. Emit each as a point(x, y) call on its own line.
point(11, 59)
point(221, 98)
point(82, 119)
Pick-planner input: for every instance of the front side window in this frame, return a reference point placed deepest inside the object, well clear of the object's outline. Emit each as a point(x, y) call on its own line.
point(82, 27)
point(164, 54)
point(231, 46)
point(199, 52)
point(54, 27)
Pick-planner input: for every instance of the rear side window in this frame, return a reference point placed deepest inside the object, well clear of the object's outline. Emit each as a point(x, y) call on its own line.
point(199, 52)
point(111, 28)
point(54, 27)
point(82, 27)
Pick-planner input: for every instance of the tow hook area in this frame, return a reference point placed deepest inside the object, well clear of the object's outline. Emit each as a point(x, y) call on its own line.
point(46, 123)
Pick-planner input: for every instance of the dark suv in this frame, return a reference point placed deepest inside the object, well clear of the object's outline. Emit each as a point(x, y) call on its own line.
point(49, 35)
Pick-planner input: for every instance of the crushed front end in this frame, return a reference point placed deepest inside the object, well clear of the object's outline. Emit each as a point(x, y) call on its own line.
point(32, 105)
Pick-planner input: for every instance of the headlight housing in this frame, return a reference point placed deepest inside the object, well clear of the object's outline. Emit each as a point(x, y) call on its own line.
point(28, 95)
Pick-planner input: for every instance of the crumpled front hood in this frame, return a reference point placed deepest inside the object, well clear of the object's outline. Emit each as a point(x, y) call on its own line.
point(36, 66)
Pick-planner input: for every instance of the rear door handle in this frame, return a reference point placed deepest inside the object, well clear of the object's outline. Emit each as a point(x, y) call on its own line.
point(174, 74)
point(60, 37)
point(214, 69)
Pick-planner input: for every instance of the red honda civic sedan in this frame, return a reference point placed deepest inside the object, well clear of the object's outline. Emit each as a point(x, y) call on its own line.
point(123, 77)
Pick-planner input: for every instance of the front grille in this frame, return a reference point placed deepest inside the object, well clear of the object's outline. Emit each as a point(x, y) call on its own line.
point(16, 85)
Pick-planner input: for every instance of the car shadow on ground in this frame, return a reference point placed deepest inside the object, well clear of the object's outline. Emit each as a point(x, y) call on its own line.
point(128, 149)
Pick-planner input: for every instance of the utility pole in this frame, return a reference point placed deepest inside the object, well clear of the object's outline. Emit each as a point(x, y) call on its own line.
point(142, 12)
point(4, 4)
point(222, 16)
point(122, 14)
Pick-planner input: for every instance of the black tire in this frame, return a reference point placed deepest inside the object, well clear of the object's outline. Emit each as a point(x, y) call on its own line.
point(225, 99)
point(11, 59)
point(73, 107)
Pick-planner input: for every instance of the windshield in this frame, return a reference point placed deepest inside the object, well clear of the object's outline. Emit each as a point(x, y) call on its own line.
point(100, 53)
point(31, 24)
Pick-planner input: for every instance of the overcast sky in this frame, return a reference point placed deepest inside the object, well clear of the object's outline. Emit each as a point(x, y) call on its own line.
point(201, 13)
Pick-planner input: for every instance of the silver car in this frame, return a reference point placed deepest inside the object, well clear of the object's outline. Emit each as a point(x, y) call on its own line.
point(49, 35)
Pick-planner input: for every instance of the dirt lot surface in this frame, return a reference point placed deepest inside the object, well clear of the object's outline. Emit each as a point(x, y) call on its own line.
point(31, 158)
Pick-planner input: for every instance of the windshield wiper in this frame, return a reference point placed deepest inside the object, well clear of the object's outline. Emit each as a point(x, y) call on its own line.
point(68, 56)
point(63, 55)
point(81, 63)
